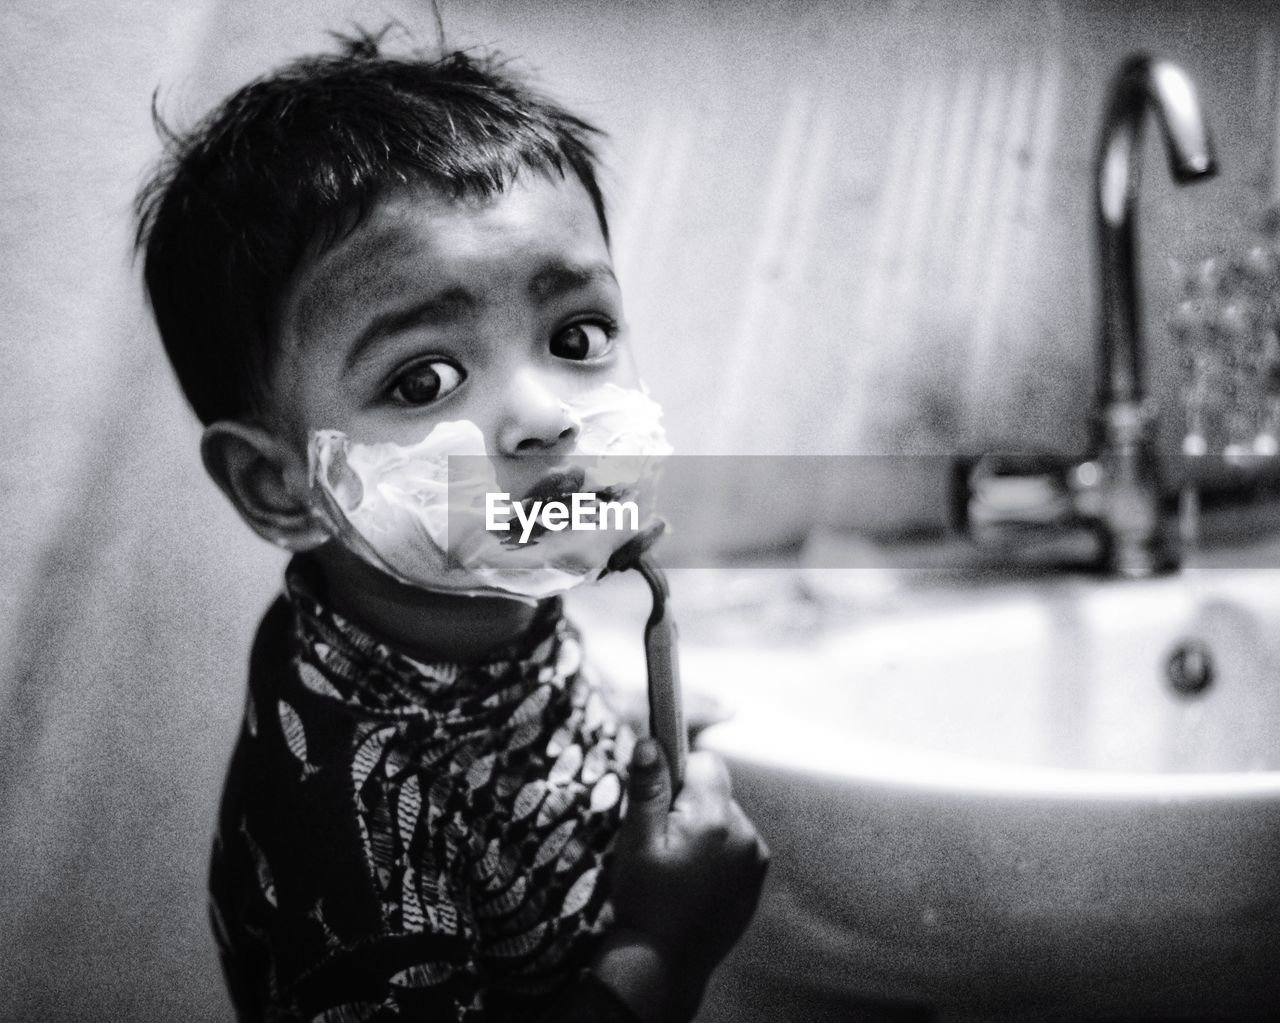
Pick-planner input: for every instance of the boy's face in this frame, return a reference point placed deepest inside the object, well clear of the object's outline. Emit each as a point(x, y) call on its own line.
point(436, 309)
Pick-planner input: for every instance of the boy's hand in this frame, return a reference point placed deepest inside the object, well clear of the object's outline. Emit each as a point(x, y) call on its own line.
point(701, 710)
point(686, 875)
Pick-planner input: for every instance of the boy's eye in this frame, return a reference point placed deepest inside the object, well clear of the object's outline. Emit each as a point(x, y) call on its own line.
point(583, 342)
point(425, 382)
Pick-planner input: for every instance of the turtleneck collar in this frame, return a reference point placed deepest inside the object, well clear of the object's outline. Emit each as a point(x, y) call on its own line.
point(341, 659)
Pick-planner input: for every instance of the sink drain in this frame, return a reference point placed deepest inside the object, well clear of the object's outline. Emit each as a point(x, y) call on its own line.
point(1190, 668)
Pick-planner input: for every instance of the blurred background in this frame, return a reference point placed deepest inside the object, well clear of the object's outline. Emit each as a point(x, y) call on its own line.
point(841, 228)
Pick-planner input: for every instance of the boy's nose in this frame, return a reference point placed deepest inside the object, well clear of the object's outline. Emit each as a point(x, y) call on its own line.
point(537, 420)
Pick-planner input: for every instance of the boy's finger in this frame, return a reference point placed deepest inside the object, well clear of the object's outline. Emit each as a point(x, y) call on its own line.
point(706, 784)
point(649, 791)
point(741, 823)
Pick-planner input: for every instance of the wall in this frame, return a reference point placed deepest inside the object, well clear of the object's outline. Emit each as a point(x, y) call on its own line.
point(842, 227)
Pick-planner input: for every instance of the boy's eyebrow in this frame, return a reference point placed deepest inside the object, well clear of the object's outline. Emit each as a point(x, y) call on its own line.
point(436, 310)
point(453, 304)
point(558, 278)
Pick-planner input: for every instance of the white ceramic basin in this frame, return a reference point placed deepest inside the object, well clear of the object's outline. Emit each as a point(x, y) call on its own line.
point(999, 807)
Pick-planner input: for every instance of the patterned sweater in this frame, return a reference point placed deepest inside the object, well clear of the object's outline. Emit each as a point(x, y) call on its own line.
point(409, 840)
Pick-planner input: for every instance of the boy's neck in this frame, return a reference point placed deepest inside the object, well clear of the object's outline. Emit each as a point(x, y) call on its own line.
point(425, 625)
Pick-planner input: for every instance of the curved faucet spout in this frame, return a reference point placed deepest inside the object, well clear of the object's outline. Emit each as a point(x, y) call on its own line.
point(1115, 493)
point(1142, 82)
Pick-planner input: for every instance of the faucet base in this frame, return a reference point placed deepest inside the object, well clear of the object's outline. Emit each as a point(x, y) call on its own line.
point(1130, 561)
point(1135, 543)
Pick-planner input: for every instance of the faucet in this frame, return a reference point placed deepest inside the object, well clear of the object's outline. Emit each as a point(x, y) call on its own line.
point(1115, 491)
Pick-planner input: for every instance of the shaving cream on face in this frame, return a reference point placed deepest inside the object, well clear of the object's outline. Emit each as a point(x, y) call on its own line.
point(408, 512)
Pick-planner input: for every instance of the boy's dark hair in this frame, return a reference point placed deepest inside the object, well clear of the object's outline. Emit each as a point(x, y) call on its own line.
point(301, 154)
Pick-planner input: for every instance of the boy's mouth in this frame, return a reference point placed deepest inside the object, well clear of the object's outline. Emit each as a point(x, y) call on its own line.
point(556, 486)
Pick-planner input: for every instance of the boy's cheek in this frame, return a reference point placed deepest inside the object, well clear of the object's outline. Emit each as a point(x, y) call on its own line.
point(625, 371)
point(401, 427)
point(309, 392)
point(628, 376)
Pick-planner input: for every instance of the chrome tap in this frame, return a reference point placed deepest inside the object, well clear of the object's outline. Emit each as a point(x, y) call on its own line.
point(1115, 490)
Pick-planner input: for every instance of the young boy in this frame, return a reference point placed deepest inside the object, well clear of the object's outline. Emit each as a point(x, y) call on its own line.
point(424, 814)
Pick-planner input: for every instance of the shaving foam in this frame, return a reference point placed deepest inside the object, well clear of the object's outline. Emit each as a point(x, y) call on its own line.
point(417, 512)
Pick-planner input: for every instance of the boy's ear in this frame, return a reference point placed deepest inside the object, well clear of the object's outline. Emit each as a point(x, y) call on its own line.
point(264, 481)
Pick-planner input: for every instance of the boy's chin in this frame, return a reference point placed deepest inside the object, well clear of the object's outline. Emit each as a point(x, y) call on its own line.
point(353, 577)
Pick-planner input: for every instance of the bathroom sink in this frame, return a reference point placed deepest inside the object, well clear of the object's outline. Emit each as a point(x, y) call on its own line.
point(1039, 801)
